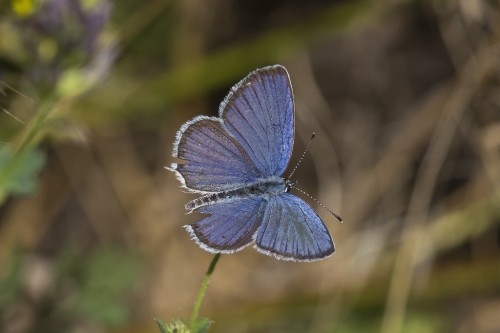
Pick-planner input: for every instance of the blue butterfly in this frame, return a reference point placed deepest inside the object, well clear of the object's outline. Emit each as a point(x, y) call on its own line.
point(236, 161)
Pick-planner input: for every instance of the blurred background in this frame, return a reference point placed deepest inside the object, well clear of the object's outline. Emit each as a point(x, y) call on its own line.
point(404, 97)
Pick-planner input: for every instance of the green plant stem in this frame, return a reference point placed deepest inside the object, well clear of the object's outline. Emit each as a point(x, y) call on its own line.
point(201, 292)
point(28, 141)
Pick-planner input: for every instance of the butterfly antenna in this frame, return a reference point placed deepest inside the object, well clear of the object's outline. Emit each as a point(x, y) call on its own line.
point(319, 203)
point(303, 155)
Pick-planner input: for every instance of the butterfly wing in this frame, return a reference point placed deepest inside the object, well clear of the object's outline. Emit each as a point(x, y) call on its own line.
point(230, 226)
point(259, 113)
point(252, 139)
point(213, 160)
point(291, 230)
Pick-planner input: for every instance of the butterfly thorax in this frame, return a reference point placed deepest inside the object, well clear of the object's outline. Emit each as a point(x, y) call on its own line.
point(263, 188)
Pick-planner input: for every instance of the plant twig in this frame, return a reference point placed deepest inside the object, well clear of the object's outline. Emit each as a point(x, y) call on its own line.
point(201, 292)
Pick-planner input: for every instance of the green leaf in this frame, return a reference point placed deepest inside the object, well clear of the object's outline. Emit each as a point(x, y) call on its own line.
point(161, 325)
point(19, 172)
point(107, 279)
point(201, 325)
point(177, 326)
point(11, 284)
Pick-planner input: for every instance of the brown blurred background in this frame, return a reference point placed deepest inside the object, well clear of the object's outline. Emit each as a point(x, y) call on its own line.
point(404, 97)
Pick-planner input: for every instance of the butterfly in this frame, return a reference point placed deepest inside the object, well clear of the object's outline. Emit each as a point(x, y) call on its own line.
point(236, 162)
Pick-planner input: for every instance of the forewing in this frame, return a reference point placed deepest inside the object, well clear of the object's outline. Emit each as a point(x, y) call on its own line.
point(291, 230)
point(230, 226)
point(213, 160)
point(259, 113)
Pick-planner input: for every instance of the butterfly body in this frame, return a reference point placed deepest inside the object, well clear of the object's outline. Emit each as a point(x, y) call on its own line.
point(265, 189)
point(236, 162)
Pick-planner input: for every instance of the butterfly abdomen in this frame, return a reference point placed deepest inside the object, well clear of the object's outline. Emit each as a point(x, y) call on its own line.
point(263, 188)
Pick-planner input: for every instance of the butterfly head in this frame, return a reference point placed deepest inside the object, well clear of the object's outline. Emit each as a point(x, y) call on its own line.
point(289, 184)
